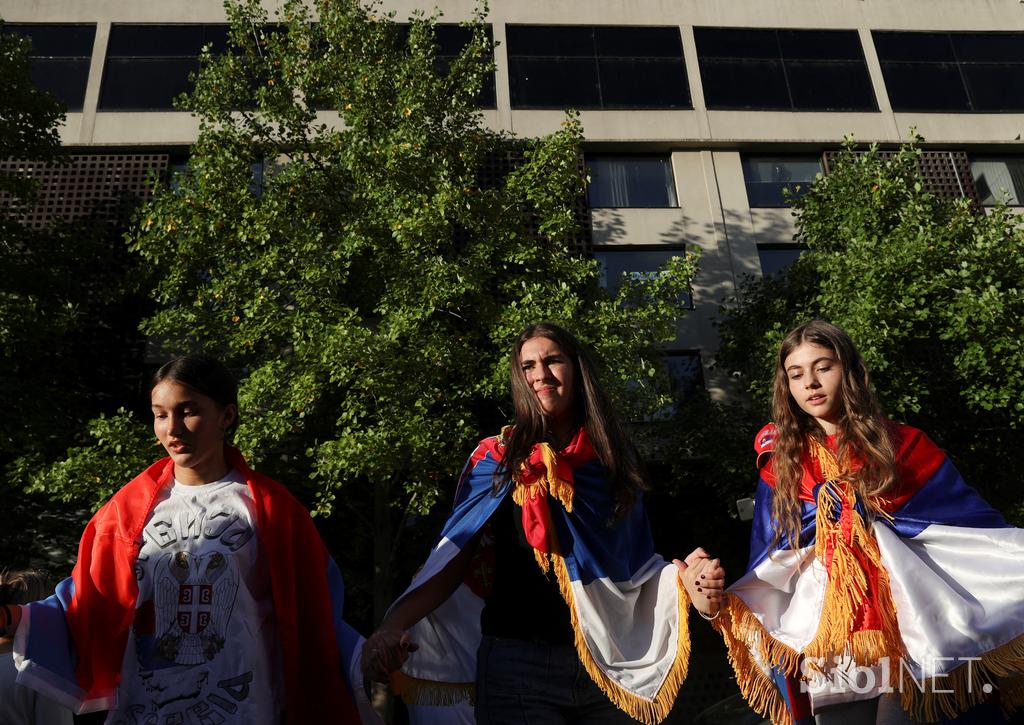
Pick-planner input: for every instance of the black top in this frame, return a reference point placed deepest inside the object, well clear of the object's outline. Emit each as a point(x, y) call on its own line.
point(524, 603)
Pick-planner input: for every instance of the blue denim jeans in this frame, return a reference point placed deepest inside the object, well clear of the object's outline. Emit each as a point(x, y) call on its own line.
point(528, 683)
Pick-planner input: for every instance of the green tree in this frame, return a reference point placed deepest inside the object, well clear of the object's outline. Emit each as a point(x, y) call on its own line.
point(931, 290)
point(368, 288)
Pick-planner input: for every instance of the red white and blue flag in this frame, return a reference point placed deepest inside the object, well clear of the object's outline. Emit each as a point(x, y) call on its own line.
point(627, 608)
point(923, 598)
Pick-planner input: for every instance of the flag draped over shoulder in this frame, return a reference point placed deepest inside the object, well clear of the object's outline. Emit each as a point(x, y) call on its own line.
point(928, 590)
point(70, 647)
point(627, 607)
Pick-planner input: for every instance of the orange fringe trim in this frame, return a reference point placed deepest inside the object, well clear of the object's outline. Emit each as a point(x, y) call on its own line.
point(931, 700)
point(649, 712)
point(744, 635)
point(415, 691)
point(560, 489)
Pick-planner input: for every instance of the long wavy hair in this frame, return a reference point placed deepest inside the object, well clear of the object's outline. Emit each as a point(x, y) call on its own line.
point(866, 454)
point(592, 410)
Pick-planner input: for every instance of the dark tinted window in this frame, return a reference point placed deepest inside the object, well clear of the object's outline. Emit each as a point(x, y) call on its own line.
point(148, 65)
point(595, 67)
point(627, 262)
point(60, 59)
point(952, 71)
point(767, 69)
point(768, 177)
point(776, 258)
point(631, 181)
point(451, 39)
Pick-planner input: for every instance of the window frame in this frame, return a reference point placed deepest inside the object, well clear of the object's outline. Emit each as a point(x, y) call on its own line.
point(38, 58)
point(667, 158)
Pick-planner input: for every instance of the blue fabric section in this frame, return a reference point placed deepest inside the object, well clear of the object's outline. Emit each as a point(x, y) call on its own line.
point(762, 533)
point(945, 499)
point(799, 710)
point(49, 643)
point(475, 501)
point(346, 637)
point(592, 548)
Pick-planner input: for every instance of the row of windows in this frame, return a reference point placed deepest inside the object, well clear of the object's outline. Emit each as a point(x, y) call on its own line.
point(772, 181)
point(607, 67)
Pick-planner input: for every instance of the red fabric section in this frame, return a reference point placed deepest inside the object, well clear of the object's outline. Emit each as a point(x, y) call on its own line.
point(536, 514)
point(100, 614)
point(917, 460)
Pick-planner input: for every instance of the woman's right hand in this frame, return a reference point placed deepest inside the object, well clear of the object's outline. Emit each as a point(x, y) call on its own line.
point(384, 652)
point(704, 580)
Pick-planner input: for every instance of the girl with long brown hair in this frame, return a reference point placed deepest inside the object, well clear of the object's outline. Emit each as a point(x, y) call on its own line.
point(544, 593)
point(874, 568)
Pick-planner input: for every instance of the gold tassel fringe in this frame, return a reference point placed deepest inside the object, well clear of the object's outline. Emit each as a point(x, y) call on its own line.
point(744, 634)
point(415, 691)
point(967, 683)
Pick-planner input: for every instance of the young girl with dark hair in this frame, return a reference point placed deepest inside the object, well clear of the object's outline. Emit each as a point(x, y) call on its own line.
point(202, 591)
point(544, 591)
point(874, 568)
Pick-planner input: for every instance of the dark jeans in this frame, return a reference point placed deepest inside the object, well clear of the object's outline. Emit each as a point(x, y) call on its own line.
point(526, 683)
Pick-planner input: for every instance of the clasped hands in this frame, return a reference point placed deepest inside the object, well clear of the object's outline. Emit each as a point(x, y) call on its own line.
point(704, 580)
point(384, 652)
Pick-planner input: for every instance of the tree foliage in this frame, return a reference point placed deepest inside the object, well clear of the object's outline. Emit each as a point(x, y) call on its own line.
point(932, 292)
point(369, 283)
point(64, 321)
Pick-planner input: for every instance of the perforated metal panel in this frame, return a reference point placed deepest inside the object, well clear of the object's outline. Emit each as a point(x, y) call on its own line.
point(945, 173)
point(90, 185)
point(499, 165)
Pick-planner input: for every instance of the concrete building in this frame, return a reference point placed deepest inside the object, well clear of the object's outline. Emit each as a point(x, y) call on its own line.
point(697, 113)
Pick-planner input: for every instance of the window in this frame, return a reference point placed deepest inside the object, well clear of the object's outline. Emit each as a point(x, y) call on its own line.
point(952, 72)
point(60, 59)
point(596, 67)
point(451, 39)
point(768, 177)
point(147, 66)
point(788, 70)
point(776, 258)
point(631, 181)
point(618, 263)
point(685, 374)
point(999, 179)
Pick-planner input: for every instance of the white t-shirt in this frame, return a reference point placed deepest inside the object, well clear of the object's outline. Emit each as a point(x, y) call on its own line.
point(202, 648)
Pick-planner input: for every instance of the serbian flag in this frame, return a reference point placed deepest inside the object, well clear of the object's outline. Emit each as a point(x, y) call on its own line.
point(626, 604)
point(920, 595)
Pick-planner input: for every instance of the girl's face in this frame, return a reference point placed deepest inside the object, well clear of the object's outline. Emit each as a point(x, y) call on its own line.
point(191, 427)
point(549, 374)
point(815, 377)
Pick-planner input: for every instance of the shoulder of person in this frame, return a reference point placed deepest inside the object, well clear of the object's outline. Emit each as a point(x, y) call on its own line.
point(134, 499)
point(764, 447)
point(492, 446)
point(912, 446)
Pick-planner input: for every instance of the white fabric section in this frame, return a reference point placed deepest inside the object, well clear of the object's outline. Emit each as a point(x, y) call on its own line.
point(846, 682)
point(203, 646)
point(459, 714)
point(786, 592)
point(632, 627)
point(21, 706)
point(959, 592)
point(367, 715)
point(447, 653)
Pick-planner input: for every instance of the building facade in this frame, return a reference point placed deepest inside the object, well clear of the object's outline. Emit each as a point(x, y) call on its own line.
point(697, 114)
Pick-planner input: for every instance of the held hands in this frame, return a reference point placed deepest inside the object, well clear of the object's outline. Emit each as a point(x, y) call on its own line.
point(384, 652)
point(704, 580)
